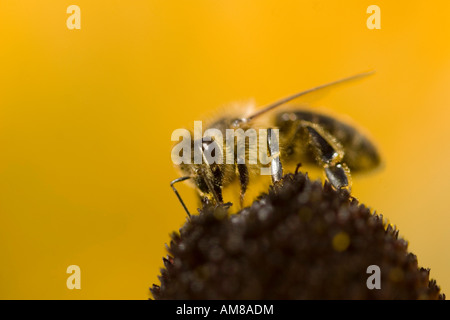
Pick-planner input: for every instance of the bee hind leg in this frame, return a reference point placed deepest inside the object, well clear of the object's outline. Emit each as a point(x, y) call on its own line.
point(329, 154)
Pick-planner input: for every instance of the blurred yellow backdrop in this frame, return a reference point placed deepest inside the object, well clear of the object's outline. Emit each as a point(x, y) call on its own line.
point(86, 118)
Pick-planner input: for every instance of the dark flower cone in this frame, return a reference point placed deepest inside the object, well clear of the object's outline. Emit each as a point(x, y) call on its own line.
point(302, 240)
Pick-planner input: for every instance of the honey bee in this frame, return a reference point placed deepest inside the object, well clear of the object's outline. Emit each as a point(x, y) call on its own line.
point(302, 136)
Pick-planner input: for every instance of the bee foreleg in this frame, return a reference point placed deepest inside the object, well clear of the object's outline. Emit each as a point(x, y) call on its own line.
point(243, 180)
point(214, 188)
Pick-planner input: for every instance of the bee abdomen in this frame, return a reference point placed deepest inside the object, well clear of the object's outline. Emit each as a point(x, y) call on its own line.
point(360, 153)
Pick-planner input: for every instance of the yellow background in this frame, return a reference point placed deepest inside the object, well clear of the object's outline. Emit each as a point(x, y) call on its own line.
point(86, 117)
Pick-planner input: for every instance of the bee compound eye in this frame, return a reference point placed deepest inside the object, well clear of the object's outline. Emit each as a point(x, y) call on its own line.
point(205, 143)
point(212, 150)
point(208, 145)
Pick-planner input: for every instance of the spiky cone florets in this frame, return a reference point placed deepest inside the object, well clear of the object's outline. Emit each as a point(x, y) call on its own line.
point(302, 240)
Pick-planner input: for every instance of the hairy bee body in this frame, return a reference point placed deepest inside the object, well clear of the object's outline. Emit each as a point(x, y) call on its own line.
point(358, 152)
point(304, 136)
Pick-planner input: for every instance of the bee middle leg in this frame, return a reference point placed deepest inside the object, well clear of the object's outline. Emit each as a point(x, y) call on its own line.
point(274, 152)
point(276, 169)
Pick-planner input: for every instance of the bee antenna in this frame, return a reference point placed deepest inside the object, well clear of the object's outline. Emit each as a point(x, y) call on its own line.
point(178, 195)
point(302, 93)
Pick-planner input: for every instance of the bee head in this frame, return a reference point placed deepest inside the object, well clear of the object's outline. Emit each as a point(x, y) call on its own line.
point(202, 164)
